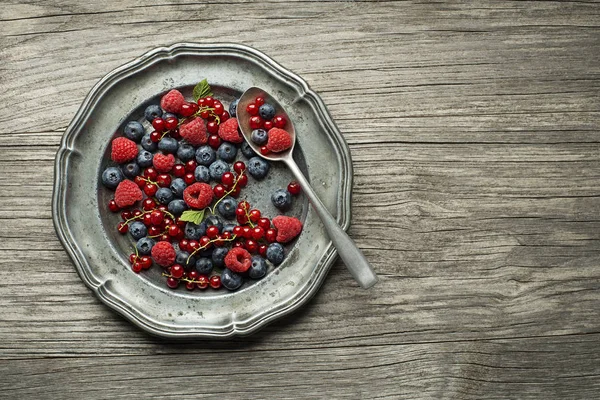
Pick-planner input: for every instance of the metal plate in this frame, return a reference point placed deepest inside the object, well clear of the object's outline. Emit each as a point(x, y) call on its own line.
point(88, 231)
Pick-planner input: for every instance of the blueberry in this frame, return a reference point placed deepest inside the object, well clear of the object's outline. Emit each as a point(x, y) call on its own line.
point(260, 137)
point(177, 187)
point(204, 266)
point(153, 111)
point(227, 151)
point(231, 280)
point(207, 253)
point(164, 195)
point(217, 169)
point(214, 220)
point(282, 199)
point(183, 258)
point(138, 230)
point(266, 112)
point(168, 145)
point(177, 206)
point(202, 174)
point(258, 268)
point(134, 131)
point(148, 144)
point(185, 152)
point(205, 155)
point(233, 107)
point(226, 207)
point(144, 159)
point(168, 115)
point(275, 253)
point(247, 150)
point(228, 227)
point(218, 256)
point(131, 170)
point(258, 168)
point(144, 245)
point(111, 177)
point(193, 231)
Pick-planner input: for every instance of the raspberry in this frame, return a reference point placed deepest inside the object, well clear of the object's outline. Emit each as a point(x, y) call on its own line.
point(228, 131)
point(199, 195)
point(238, 260)
point(127, 193)
point(163, 254)
point(287, 228)
point(194, 132)
point(163, 162)
point(279, 140)
point(172, 101)
point(123, 150)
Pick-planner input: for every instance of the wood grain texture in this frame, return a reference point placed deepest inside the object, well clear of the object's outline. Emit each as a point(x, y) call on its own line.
point(475, 133)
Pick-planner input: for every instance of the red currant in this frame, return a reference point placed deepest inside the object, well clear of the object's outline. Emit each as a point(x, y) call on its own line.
point(246, 232)
point(225, 116)
point(193, 245)
point(179, 170)
point(183, 245)
point(190, 285)
point(154, 231)
point(236, 191)
point(137, 213)
point(294, 188)
point(122, 227)
point(189, 178)
point(112, 206)
point(279, 121)
point(171, 123)
point(214, 141)
point(195, 107)
point(190, 166)
point(137, 267)
point(157, 217)
point(264, 151)
point(251, 246)
point(238, 244)
point(212, 127)
point(146, 262)
point(202, 282)
point(252, 109)
point(271, 235)
point(212, 231)
point(242, 181)
point(162, 208)
point(164, 238)
point(264, 223)
point(209, 101)
point(140, 181)
point(237, 230)
point(126, 215)
point(256, 122)
point(175, 134)
point(202, 102)
point(254, 215)
point(167, 221)
point(147, 219)
point(172, 283)
point(148, 204)
point(132, 258)
point(215, 281)
point(244, 205)
point(259, 101)
point(150, 189)
point(177, 271)
point(258, 233)
point(239, 167)
point(204, 242)
point(186, 109)
point(193, 275)
point(262, 250)
point(226, 235)
point(181, 223)
point(163, 180)
point(218, 108)
point(158, 124)
point(204, 114)
point(242, 219)
point(219, 191)
point(227, 178)
point(150, 173)
point(267, 125)
point(155, 136)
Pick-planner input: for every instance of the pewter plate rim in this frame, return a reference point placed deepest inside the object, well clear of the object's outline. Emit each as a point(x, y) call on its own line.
point(67, 150)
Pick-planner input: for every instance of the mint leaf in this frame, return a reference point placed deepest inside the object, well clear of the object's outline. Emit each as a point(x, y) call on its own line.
point(192, 216)
point(202, 89)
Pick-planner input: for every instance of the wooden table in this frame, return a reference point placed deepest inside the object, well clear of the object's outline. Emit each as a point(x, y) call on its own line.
point(474, 130)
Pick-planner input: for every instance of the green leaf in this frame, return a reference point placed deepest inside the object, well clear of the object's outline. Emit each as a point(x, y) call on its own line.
point(194, 216)
point(202, 89)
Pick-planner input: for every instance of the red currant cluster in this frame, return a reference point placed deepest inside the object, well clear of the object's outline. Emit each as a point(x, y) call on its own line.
point(257, 122)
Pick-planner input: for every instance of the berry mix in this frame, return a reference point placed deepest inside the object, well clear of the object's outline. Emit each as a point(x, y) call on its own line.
point(178, 190)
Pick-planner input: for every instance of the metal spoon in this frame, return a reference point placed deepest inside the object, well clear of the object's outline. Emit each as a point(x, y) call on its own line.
point(354, 259)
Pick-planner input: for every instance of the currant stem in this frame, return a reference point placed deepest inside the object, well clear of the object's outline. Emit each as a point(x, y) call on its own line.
point(206, 245)
point(212, 211)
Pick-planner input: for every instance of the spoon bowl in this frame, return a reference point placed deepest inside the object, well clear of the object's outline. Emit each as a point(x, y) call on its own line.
point(353, 258)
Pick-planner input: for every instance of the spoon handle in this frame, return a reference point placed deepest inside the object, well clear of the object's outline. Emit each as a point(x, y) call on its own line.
point(354, 259)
